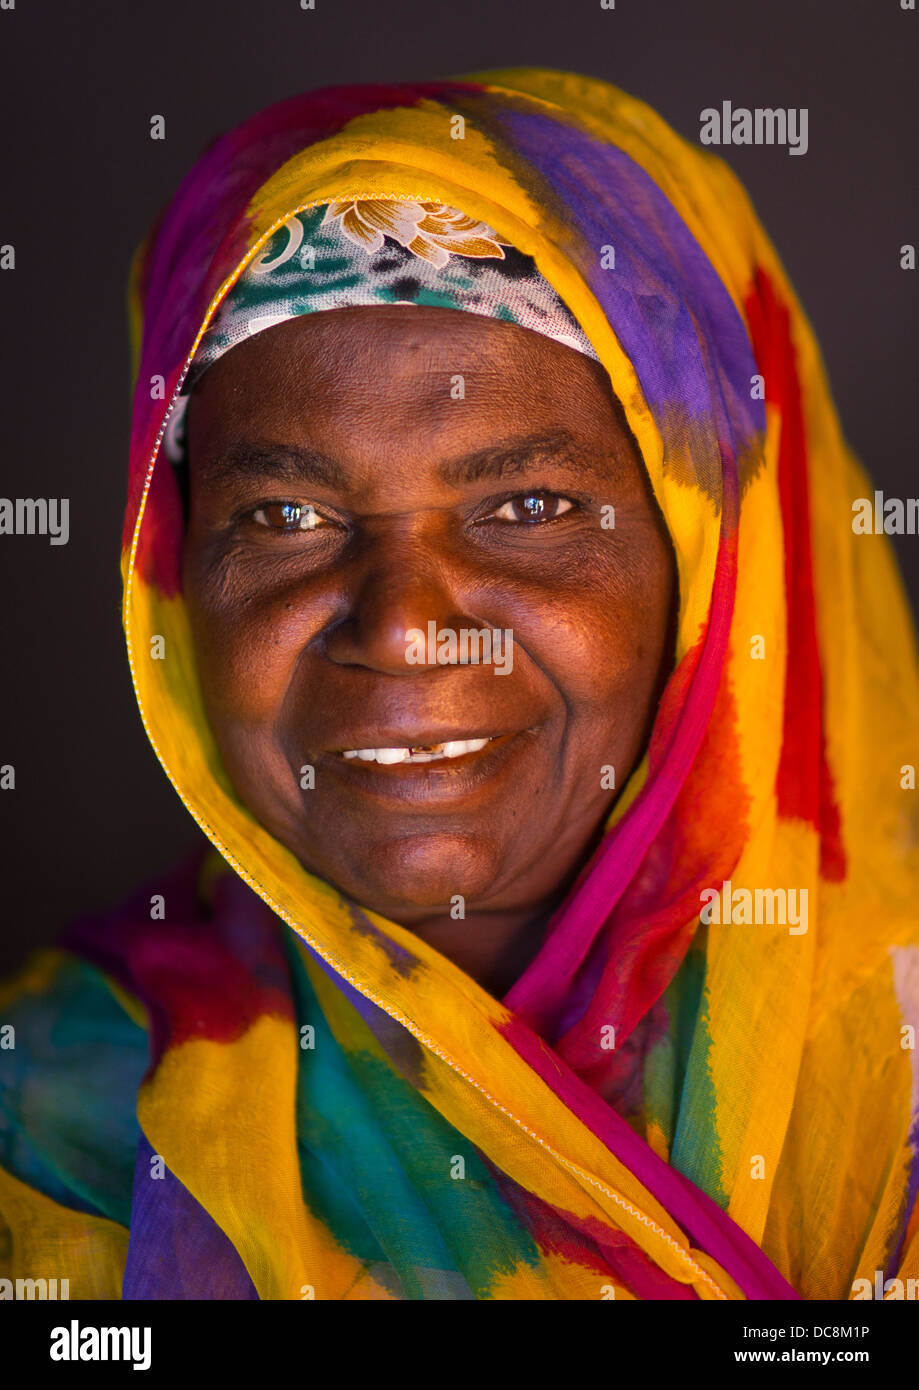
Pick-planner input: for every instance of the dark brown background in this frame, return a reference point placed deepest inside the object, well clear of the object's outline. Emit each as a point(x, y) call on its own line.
point(92, 812)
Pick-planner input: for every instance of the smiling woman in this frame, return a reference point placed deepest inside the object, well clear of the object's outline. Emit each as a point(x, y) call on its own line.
point(419, 514)
point(443, 1010)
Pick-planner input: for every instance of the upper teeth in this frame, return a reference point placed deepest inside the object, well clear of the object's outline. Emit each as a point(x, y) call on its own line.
point(456, 749)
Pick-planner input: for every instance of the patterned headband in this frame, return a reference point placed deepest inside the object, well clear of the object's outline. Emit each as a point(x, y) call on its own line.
point(379, 251)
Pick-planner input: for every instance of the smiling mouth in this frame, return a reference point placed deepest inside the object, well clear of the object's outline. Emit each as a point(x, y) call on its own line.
point(430, 753)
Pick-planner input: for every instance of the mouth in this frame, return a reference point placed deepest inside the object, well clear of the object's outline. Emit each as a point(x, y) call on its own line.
point(426, 774)
point(420, 753)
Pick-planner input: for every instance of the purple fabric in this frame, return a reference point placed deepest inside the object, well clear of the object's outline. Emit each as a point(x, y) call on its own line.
point(176, 1250)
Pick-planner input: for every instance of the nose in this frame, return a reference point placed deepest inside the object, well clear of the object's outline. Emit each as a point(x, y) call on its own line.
point(399, 587)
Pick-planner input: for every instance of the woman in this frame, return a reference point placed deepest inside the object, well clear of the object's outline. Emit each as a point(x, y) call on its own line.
point(493, 603)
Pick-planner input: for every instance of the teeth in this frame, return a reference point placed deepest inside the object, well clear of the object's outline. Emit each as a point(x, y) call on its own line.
point(384, 755)
point(454, 749)
point(469, 745)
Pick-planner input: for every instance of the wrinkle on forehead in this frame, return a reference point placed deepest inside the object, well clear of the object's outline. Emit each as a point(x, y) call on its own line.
point(373, 386)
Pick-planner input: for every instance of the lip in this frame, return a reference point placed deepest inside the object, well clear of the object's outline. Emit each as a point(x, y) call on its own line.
point(425, 785)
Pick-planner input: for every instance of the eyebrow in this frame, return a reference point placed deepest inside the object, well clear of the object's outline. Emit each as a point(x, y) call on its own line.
point(510, 459)
point(291, 463)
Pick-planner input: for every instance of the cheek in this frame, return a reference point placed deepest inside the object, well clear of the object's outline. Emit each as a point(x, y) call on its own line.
point(248, 641)
point(604, 642)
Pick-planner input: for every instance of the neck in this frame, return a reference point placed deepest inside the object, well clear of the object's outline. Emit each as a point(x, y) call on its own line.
point(494, 948)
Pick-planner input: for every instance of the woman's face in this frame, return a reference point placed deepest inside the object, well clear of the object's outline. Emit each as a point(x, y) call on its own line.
point(360, 474)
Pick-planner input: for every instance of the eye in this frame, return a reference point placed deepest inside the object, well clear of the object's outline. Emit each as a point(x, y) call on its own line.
point(287, 516)
point(533, 507)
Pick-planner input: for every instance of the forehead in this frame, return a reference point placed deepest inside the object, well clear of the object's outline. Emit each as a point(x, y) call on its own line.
point(372, 404)
point(364, 399)
point(376, 360)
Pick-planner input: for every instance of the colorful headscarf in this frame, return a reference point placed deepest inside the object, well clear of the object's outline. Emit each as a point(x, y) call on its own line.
point(662, 1106)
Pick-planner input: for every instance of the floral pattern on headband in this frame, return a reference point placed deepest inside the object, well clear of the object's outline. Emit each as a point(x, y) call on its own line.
point(431, 231)
point(368, 251)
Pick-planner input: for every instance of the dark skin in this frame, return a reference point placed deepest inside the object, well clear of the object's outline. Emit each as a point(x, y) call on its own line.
point(341, 494)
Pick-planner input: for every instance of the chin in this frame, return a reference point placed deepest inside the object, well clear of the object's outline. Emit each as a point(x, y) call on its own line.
point(421, 873)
